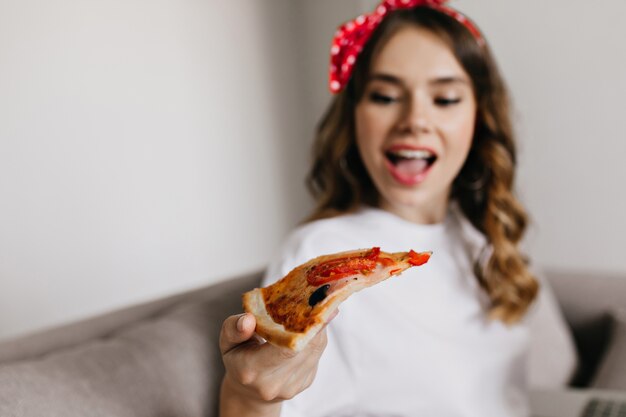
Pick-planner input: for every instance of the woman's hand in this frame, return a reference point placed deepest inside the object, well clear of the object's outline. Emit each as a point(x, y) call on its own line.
point(259, 376)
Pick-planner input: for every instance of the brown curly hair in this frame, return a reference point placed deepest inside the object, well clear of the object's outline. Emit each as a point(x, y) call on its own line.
point(483, 189)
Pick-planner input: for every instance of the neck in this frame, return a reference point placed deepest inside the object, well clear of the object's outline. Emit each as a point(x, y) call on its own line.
point(424, 214)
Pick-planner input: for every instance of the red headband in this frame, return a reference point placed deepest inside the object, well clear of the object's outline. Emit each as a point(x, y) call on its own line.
point(352, 36)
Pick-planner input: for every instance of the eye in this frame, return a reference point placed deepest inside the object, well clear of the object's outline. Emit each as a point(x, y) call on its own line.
point(445, 102)
point(382, 98)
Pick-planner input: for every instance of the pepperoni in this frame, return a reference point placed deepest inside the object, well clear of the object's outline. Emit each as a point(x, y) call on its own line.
point(343, 267)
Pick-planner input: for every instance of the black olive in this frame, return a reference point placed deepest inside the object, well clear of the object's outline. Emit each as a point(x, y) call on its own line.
point(318, 295)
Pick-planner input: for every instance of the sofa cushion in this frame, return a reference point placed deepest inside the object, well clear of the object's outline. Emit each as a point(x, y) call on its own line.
point(168, 365)
point(612, 372)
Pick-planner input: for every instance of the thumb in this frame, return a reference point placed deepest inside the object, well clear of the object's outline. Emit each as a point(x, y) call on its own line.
point(236, 330)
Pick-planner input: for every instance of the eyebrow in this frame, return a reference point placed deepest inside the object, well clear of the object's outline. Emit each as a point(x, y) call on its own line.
point(398, 81)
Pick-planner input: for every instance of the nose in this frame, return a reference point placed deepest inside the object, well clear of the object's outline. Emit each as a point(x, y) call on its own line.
point(415, 118)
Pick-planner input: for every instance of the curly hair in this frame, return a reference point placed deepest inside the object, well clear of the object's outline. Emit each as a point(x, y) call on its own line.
point(483, 189)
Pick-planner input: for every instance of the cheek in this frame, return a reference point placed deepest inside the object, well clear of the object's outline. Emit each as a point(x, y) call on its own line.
point(457, 144)
point(460, 135)
point(372, 125)
point(465, 136)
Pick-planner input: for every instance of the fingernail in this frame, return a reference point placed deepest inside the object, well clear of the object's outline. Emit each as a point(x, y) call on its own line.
point(240, 323)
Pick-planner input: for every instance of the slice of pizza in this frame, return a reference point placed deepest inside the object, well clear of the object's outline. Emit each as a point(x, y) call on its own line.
point(292, 311)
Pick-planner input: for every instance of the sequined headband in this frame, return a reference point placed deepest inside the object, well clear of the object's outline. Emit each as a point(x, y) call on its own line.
point(351, 37)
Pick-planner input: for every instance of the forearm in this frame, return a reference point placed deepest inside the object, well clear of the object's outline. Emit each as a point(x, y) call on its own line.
point(234, 403)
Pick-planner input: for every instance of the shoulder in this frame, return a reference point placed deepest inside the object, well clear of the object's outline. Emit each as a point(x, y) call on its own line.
point(319, 237)
point(552, 360)
point(325, 236)
point(334, 227)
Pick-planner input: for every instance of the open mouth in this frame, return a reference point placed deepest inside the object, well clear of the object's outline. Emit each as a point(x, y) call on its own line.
point(409, 166)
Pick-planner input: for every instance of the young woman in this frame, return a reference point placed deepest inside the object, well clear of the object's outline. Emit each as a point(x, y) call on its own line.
point(415, 152)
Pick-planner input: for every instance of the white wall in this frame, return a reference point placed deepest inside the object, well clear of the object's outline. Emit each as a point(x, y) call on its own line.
point(319, 21)
point(146, 147)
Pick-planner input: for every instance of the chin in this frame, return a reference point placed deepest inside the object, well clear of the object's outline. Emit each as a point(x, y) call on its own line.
point(425, 203)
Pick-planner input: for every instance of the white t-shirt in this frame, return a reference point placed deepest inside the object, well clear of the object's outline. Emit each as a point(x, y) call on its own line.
point(419, 344)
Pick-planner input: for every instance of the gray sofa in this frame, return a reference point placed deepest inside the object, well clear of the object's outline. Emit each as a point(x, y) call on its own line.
point(161, 358)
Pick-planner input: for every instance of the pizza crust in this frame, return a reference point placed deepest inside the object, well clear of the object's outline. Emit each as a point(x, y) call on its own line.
point(271, 331)
point(276, 333)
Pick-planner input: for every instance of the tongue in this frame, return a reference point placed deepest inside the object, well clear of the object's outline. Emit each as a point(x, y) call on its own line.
point(411, 167)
